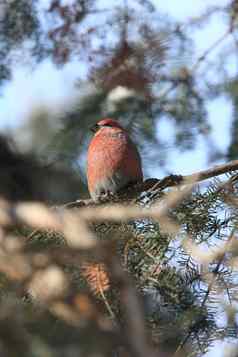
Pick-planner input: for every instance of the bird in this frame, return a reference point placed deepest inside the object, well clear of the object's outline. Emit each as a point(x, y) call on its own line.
point(113, 160)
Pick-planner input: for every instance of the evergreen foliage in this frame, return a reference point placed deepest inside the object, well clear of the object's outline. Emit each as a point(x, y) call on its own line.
point(141, 70)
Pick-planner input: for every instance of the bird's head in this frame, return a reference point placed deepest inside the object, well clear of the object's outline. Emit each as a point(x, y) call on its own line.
point(106, 124)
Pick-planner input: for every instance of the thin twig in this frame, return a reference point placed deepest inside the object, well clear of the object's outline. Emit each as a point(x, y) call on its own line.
point(211, 48)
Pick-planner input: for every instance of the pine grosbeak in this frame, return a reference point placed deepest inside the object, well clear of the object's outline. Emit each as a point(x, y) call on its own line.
point(113, 161)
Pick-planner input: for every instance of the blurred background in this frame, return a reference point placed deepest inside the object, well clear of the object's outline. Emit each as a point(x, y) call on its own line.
point(166, 70)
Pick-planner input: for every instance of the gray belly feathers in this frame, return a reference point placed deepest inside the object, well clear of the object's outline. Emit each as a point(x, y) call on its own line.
point(111, 185)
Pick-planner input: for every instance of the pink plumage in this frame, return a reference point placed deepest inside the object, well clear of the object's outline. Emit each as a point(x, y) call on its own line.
point(113, 160)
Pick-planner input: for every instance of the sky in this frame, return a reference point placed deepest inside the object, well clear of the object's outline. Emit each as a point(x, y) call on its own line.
point(30, 89)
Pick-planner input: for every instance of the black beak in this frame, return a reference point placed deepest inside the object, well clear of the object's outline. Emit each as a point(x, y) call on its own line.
point(94, 128)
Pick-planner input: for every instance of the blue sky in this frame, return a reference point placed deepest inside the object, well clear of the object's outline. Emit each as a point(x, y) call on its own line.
point(53, 88)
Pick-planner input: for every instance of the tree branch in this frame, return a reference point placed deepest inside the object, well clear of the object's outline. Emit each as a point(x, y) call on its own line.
point(152, 186)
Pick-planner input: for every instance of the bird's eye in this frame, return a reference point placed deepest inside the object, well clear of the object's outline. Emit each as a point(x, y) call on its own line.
point(94, 128)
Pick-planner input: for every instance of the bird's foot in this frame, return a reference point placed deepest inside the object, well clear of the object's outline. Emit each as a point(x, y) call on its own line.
point(107, 197)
